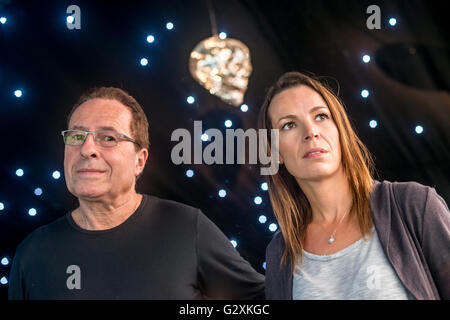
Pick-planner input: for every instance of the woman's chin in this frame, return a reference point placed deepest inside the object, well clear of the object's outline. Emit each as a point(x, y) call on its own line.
point(317, 173)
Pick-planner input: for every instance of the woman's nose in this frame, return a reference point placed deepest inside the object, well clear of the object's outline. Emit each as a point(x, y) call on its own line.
point(311, 132)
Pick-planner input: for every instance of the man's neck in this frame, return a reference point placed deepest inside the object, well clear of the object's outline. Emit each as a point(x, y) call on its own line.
point(102, 215)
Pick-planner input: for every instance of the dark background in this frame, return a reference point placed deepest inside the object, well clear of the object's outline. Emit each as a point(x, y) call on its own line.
point(408, 79)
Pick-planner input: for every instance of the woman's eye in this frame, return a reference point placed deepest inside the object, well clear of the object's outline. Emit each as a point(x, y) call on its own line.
point(322, 116)
point(288, 126)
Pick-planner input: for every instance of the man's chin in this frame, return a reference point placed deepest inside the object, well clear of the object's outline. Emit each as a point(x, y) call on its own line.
point(89, 194)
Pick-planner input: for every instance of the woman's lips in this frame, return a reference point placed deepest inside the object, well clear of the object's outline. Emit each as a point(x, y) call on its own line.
point(315, 153)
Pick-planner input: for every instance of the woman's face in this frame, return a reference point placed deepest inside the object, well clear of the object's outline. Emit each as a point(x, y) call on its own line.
point(309, 139)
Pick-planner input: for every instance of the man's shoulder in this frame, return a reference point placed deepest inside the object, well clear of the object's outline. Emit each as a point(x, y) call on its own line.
point(41, 235)
point(170, 207)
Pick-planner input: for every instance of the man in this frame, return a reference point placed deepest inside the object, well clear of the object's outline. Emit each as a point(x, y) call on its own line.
point(119, 244)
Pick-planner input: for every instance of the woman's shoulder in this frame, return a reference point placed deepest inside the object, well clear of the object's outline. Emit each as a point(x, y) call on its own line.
point(411, 198)
point(410, 192)
point(403, 187)
point(276, 245)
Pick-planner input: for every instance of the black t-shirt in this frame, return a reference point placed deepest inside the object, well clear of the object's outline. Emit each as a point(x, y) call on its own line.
point(164, 250)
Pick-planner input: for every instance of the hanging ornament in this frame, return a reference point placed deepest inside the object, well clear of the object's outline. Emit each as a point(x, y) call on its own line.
point(221, 66)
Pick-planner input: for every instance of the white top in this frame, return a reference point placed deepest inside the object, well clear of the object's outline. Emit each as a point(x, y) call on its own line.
point(359, 271)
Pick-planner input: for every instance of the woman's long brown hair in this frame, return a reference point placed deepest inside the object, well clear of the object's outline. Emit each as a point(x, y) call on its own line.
point(290, 205)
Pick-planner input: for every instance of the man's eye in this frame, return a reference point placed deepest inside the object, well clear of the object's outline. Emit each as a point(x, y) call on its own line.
point(78, 137)
point(288, 126)
point(108, 138)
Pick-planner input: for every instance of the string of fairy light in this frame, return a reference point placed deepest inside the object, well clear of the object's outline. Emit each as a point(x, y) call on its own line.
point(145, 62)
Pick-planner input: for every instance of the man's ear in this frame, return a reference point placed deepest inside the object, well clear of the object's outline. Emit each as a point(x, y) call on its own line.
point(141, 160)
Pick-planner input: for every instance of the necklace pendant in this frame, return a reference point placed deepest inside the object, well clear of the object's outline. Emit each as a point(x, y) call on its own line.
point(331, 240)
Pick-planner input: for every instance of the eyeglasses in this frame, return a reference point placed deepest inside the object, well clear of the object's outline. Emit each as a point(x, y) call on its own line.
point(105, 139)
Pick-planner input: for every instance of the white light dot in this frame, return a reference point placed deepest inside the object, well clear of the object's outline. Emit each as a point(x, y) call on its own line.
point(169, 25)
point(18, 93)
point(222, 35)
point(234, 243)
point(244, 108)
point(144, 62)
point(19, 172)
point(222, 193)
point(70, 19)
point(189, 173)
point(366, 58)
point(262, 219)
point(373, 123)
point(419, 129)
point(5, 261)
point(264, 186)
point(392, 21)
point(3, 280)
point(150, 38)
point(204, 137)
point(273, 227)
point(32, 212)
point(3, 20)
point(56, 175)
point(257, 200)
point(228, 123)
point(38, 191)
point(365, 93)
point(2, 206)
point(190, 99)
point(264, 265)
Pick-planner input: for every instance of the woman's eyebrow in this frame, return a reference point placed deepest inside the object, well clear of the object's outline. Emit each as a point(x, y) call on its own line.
point(289, 116)
point(317, 108)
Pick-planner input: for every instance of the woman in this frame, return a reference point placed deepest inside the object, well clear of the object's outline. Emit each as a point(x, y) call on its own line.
point(343, 234)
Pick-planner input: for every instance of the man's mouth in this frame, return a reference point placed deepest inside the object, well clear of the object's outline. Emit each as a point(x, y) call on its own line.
point(90, 171)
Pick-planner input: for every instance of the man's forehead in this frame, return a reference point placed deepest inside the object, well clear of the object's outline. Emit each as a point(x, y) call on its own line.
point(102, 128)
point(101, 114)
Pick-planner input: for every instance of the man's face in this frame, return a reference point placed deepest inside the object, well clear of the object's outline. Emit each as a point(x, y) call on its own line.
point(95, 172)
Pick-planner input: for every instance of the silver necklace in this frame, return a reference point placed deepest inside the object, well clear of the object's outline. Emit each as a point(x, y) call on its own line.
point(331, 240)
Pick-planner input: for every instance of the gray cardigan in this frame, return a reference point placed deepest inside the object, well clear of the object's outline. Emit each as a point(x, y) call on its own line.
point(413, 224)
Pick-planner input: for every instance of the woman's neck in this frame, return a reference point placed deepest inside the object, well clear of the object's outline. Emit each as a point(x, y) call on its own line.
point(330, 198)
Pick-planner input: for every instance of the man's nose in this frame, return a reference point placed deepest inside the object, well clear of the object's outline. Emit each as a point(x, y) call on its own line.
point(89, 148)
